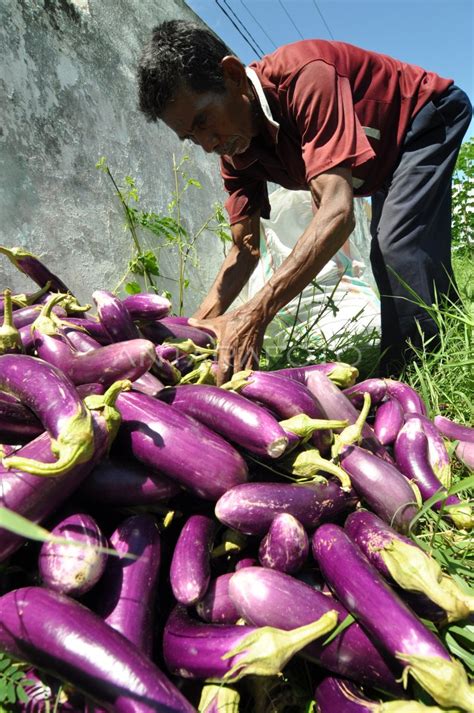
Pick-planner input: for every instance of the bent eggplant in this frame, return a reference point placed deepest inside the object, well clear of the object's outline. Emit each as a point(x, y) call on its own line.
point(125, 597)
point(337, 405)
point(231, 415)
point(411, 453)
point(266, 597)
point(114, 316)
point(75, 645)
point(409, 399)
point(438, 455)
point(32, 266)
point(225, 652)
point(401, 561)
point(36, 498)
point(190, 569)
point(454, 430)
point(18, 424)
point(375, 387)
point(382, 486)
point(341, 374)
point(70, 569)
point(52, 397)
point(251, 507)
point(361, 589)
point(153, 432)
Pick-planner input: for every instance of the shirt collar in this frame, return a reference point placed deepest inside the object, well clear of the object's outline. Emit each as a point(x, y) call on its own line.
point(256, 84)
point(245, 159)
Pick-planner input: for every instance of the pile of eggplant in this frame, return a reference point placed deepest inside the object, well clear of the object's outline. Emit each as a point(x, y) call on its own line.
point(204, 536)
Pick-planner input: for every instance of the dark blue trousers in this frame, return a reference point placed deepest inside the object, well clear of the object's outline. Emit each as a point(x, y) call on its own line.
point(411, 228)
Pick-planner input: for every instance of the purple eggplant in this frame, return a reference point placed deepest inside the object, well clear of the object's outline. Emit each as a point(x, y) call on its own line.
point(409, 399)
point(183, 321)
point(337, 695)
point(411, 453)
point(85, 390)
point(454, 430)
point(193, 649)
point(69, 568)
point(337, 406)
point(32, 266)
point(126, 483)
point(25, 316)
point(285, 397)
point(341, 374)
point(190, 569)
point(178, 446)
point(438, 455)
point(56, 633)
point(382, 486)
point(114, 316)
point(145, 306)
point(376, 388)
point(10, 338)
point(285, 546)
point(93, 327)
point(266, 597)
point(216, 606)
point(231, 415)
point(27, 341)
point(386, 618)
point(465, 453)
point(389, 419)
point(147, 384)
point(402, 562)
point(125, 597)
point(251, 507)
point(164, 370)
point(245, 562)
point(35, 497)
point(18, 423)
point(50, 394)
point(164, 330)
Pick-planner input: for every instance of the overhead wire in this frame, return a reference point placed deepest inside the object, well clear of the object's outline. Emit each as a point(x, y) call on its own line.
point(290, 19)
point(243, 26)
point(258, 23)
point(238, 29)
point(323, 19)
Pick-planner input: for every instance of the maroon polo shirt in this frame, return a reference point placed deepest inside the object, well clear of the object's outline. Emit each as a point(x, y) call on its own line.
point(336, 105)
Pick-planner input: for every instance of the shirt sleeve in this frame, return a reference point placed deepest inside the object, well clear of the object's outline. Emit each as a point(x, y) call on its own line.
point(247, 191)
point(321, 104)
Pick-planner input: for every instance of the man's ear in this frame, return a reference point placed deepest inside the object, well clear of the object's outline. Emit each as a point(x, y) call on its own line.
point(234, 71)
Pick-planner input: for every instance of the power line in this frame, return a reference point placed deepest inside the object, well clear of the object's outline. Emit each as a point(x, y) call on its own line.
point(322, 18)
point(242, 25)
point(291, 19)
point(238, 29)
point(257, 22)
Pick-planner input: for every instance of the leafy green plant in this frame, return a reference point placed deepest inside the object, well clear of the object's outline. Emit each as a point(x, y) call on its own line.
point(168, 231)
point(13, 681)
point(463, 199)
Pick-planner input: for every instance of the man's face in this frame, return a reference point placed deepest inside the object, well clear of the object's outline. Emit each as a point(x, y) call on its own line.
point(220, 123)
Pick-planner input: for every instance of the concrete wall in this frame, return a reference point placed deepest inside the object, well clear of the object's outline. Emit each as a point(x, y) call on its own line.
point(68, 97)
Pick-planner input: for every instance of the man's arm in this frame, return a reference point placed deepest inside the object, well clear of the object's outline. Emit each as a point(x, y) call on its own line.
point(240, 332)
point(236, 269)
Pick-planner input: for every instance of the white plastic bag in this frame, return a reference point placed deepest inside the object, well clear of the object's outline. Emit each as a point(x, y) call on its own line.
point(345, 296)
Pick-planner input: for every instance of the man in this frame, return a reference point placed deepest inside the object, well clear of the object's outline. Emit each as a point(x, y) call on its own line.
point(338, 121)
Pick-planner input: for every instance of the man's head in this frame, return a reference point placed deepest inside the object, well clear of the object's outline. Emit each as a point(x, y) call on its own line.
point(188, 78)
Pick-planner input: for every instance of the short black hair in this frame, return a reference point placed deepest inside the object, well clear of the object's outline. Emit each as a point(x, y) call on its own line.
point(178, 52)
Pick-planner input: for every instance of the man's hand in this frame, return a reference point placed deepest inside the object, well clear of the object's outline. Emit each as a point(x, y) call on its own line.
point(239, 340)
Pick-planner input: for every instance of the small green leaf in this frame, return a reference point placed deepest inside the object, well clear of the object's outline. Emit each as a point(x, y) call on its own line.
point(193, 182)
point(132, 288)
point(23, 697)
